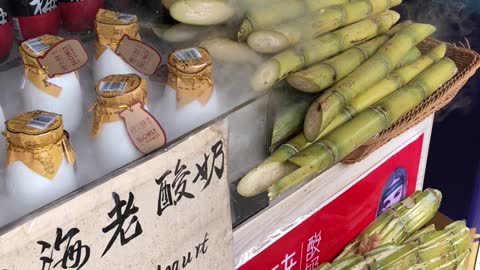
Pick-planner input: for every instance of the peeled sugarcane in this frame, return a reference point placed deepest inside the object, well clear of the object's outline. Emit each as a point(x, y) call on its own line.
point(335, 146)
point(399, 222)
point(323, 75)
point(286, 35)
point(323, 47)
point(201, 12)
point(329, 104)
point(274, 167)
point(394, 81)
point(270, 15)
point(230, 51)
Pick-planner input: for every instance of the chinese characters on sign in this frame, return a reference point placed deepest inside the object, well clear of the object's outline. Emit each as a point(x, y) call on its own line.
point(172, 194)
point(123, 222)
point(309, 250)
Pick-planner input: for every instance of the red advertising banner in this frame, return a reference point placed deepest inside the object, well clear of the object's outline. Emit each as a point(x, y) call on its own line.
point(321, 237)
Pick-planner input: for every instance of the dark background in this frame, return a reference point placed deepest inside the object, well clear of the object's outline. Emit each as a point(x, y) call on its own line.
point(454, 151)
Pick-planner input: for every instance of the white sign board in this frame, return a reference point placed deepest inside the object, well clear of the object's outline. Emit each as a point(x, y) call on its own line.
point(171, 212)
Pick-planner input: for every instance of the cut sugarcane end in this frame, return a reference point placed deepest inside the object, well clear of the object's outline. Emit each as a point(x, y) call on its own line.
point(266, 76)
point(313, 122)
point(168, 3)
point(245, 29)
point(302, 84)
point(439, 51)
point(259, 179)
point(265, 41)
point(201, 12)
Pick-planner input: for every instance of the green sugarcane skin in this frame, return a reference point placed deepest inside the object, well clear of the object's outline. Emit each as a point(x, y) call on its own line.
point(317, 23)
point(365, 125)
point(414, 237)
point(412, 55)
point(323, 47)
point(275, 14)
point(319, 77)
point(396, 224)
point(323, 111)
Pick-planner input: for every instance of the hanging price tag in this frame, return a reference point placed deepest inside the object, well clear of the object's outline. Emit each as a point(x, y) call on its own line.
point(139, 55)
point(144, 130)
point(64, 57)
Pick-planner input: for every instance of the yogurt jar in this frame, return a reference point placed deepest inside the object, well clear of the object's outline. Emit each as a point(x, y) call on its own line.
point(190, 97)
point(110, 140)
point(61, 94)
point(110, 27)
point(40, 159)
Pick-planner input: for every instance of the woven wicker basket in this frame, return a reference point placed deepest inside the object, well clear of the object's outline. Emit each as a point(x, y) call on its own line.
point(467, 62)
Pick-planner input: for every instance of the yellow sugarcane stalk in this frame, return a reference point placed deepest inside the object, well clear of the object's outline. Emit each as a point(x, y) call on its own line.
point(330, 104)
point(323, 75)
point(335, 146)
point(323, 47)
point(276, 13)
point(274, 167)
point(286, 35)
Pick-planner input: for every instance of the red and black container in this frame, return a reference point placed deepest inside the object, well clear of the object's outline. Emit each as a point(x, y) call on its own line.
point(6, 29)
point(79, 15)
point(33, 18)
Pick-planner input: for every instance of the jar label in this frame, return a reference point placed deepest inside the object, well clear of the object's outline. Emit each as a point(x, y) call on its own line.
point(37, 45)
point(64, 57)
point(188, 54)
point(143, 129)
point(42, 121)
point(139, 55)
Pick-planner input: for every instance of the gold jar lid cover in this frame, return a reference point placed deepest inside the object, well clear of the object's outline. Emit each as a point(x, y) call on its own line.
point(37, 139)
point(110, 27)
point(190, 61)
point(116, 93)
point(190, 75)
point(32, 49)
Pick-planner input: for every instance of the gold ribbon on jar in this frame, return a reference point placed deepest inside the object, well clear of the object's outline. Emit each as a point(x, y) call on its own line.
point(190, 75)
point(116, 93)
point(34, 72)
point(110, 26)
point(42, 151)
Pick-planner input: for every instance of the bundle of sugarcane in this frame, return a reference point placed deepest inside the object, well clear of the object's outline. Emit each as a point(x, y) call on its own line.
point(336, 145)
point(292, 114)
point(323, 47)
point(444, 249)
point(283, 36)
point(396, 224)
point(278, 12)
point(323, 75)
point(332, 102)
point(276, 166)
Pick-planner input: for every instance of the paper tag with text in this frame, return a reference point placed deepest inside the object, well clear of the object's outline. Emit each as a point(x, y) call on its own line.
point(64, 57)
point(144, 130)
point(139, 55)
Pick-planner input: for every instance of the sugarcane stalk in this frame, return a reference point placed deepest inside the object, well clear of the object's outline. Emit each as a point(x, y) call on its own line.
point(201, 12)
point(323, 47)
point(270, 15)
point(286, 35)
point(321, 76)
point(328, 105)
point(394, 81)
point(425, 206)
point(414, 237)
point(290, 108)
point(412, 55)
point(229, 51)
point(342, 141)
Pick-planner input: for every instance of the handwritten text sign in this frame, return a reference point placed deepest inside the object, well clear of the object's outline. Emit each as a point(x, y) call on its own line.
point(170, 212)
